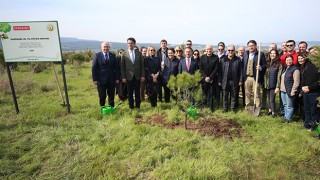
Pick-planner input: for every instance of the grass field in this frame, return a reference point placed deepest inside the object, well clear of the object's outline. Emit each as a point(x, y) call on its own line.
point(44, 142)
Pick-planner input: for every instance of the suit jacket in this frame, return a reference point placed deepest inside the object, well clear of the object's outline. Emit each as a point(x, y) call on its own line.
point(236, 71)
point(130, 70)
point(103, 71)
point(159, 54)
point(170, 68)
point(183, 66)
point(209, 67)
point(263, 65)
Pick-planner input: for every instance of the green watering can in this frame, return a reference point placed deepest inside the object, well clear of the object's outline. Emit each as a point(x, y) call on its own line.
point(318, 129)
point(192, 112)
point(108, 109)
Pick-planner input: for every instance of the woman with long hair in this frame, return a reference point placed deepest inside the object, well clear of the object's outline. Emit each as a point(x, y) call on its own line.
point(272, 79)
point(196, 55)
point(178, 52)
point(152, 72)
point(310, 87)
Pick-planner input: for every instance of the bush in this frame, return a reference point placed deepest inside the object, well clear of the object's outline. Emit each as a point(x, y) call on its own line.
point(2, 63)
point(315, 58)
point(46, 87)
point(20, 85)
point(37, 67)
point(174, 115)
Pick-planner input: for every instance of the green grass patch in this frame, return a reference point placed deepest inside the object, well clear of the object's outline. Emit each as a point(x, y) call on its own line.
point(44, 142)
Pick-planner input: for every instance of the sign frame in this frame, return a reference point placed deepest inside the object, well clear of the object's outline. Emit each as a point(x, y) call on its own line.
point(32, 42)
point(61, 61)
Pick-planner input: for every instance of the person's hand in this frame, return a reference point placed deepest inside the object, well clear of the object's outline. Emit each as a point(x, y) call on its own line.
point(305, 89)
point(292, 94)
point(276, 90)
point(219, 84)
point(240, 83)
point(95, 82)
point(124, 80)
point(117, 81)
point(142, 79)
point(207, 79)
point(259, 68)
point(155, 80)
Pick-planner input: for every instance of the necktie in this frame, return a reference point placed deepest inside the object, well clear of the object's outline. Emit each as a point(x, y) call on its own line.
point(163, 56)
point(106, 57)
point(132, 56)
point(188, 63)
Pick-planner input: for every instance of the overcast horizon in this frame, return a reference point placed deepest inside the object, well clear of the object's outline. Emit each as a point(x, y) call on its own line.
point(203, 21)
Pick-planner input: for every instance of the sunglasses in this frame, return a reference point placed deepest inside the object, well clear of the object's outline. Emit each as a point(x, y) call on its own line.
point(230, 50)
point(220, 49)
point(178, 50)
point(196, 54)
point(289, 45)
point(188, 44)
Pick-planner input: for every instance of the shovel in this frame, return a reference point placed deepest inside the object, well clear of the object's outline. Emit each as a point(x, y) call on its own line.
point(255, 111)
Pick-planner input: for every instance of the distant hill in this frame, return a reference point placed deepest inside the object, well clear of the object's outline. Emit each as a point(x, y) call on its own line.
point(75, 44)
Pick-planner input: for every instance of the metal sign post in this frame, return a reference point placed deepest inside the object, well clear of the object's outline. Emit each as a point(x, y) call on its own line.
point(12, 88)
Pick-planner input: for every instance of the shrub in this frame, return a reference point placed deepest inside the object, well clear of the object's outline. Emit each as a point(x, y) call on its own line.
point(37, 67)
point(183, 87)
point(174, 115)
point(2, 63)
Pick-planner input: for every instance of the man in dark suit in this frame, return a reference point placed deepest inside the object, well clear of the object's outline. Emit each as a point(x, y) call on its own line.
point(105, 73)
point(162, 54)
point(132, 72)
point(188, 63)
point(209, 66)
point(230, 78)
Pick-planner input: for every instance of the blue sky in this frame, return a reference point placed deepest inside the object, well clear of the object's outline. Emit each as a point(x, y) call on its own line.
point(202, 21)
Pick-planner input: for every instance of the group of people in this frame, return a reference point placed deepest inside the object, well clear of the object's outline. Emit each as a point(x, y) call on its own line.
point(224, 74)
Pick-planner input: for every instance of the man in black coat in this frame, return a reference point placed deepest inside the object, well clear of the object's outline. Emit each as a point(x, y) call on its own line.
point(105, 73)
point(230, 77)
point(209, 66)
point(162, 54)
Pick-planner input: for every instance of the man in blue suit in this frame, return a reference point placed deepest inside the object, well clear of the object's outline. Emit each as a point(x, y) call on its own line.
point(188, 63)
point(105, 73)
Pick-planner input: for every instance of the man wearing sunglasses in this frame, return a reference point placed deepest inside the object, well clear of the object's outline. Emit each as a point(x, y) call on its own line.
point(230, 78)
point(290, 44)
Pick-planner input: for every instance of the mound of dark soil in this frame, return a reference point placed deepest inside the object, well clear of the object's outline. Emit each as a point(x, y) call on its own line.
point(210, 126)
